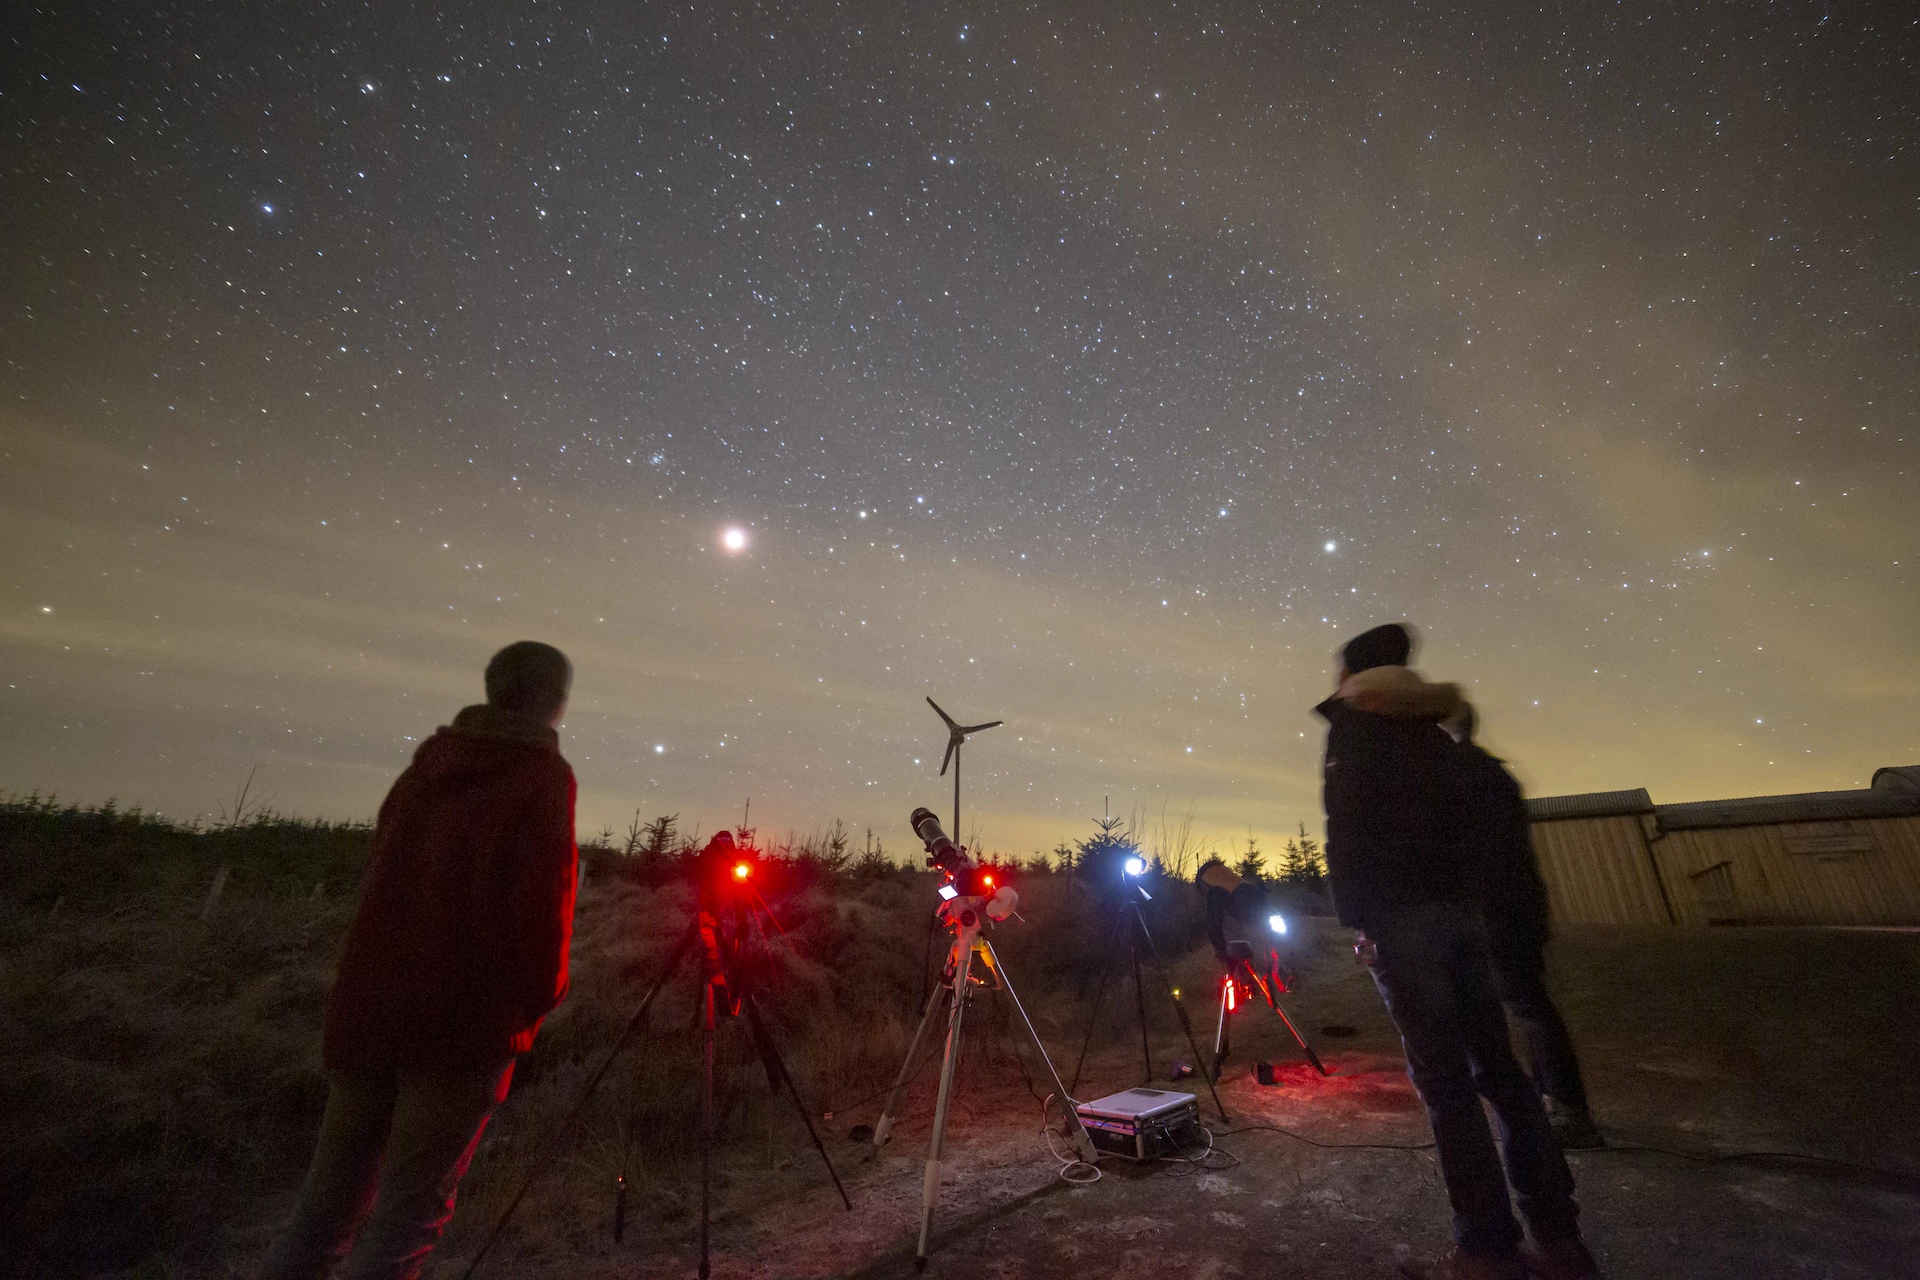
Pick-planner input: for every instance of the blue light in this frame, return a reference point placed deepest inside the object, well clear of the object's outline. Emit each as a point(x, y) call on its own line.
point(1135, 865)
point(1277, 923)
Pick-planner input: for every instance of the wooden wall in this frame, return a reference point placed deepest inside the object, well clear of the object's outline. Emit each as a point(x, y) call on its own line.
point(1598, 872)
point(1854, 871)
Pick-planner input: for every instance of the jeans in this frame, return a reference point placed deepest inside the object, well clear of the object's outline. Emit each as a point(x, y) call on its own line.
point(393, 1147)
point(1519, 968)
point(1433, 973)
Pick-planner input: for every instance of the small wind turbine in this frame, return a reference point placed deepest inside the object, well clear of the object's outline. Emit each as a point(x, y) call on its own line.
point(956, 735)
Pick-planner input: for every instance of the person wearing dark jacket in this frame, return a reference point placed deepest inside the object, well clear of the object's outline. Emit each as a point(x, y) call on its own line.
point(1396, 865)
point(457, 952)
point(1513, 898)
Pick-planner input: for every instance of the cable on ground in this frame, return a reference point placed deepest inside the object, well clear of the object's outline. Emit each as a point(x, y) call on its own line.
point(1069, 1161)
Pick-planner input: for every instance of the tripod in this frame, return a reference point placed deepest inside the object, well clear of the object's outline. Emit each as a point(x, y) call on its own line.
point(964, 916)
point(1130, 920)
point(725, 991)
point(1241, 978)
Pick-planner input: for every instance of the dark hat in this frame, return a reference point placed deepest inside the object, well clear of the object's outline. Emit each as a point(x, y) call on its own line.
point(1384, 646)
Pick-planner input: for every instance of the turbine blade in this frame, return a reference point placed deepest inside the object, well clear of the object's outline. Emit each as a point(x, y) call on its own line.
point(975, 728)
point(943, 715)
point(953, 745)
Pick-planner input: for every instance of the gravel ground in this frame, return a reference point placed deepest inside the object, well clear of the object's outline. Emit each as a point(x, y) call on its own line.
point(1707, 1044)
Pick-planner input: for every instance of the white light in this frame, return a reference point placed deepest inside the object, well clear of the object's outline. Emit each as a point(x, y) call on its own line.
point(659, 748)
point(948, 892)
point(267, 207)
point(734, 539)
point(1277, 923)
point(1333, 546)
point(1135, 865)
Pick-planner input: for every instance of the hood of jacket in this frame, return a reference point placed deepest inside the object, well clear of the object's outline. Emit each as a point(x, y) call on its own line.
point(482, 739)
point(1399, 692)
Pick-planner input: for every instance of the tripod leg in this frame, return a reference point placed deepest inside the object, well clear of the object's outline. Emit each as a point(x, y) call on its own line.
point(1081, 1142)
point(1093, 1020)
point(1186, 1025)
point(778, 1075)
point(633, 1026)
point(1220, 1035)
point(936, 1005)
point(930, 1191)
point(1140, 1006)
point(706, 1132)
point(1300, 1040)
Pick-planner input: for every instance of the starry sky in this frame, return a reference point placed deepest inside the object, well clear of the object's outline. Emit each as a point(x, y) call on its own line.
point(1095, 368)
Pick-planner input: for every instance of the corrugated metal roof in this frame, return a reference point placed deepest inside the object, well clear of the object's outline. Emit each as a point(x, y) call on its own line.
point(1812, 806)
point(1897, 777)
point(1592, 804)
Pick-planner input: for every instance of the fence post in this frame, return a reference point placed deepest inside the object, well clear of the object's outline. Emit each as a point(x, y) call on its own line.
point(208, 907)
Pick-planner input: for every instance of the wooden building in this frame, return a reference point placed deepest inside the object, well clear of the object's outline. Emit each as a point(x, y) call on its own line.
point(1824, 857)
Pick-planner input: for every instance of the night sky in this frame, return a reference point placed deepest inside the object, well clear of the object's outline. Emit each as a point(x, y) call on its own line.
point(1095, 368)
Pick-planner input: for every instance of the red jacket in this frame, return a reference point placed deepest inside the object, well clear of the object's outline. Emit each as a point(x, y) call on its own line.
point(459, 947)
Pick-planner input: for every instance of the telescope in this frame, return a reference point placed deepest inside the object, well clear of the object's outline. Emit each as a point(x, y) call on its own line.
point(965, 879)
point(1228, 895)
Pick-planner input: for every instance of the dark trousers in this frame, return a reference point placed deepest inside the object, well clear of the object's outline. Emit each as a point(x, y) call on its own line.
point(1519, 967)
point(1433, 972)
point(392, 1150)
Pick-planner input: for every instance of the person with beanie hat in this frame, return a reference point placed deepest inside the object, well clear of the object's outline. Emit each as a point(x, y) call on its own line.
point(1397, 831)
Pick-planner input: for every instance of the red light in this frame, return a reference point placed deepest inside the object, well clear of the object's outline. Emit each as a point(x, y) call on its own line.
point(989, 880)
point(1233, 995)
point(741, 870)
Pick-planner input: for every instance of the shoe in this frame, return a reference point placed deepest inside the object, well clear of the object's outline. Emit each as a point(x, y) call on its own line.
point(1563, 1259)
point(1462, 1264)
point(1576, 1130)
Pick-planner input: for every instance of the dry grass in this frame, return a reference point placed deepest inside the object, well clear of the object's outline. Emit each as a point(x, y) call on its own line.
point(162, 1070)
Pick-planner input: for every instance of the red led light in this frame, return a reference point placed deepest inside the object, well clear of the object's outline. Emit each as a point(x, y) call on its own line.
point(1233, 995)
point(741, 870)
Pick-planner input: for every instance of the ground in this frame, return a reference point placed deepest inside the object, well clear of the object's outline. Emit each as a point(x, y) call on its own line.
point(1699, 1047)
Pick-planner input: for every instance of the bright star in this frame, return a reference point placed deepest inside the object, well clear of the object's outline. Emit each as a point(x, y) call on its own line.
point(1332, 546)
point(734, 539)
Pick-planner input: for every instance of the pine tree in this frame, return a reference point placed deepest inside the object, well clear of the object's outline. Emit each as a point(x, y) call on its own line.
point(658, 837)
point(1253, 865)
point(1302, 866)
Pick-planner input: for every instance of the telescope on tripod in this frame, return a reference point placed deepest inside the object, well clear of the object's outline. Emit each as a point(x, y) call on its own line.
point(1227, 894)
point(970, 903)
point(726, 965)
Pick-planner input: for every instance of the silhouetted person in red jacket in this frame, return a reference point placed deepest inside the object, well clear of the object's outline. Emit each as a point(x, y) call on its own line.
point(458, 950)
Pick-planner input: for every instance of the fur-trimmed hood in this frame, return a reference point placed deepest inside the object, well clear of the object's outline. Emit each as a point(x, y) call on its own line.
point(1402, 693)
